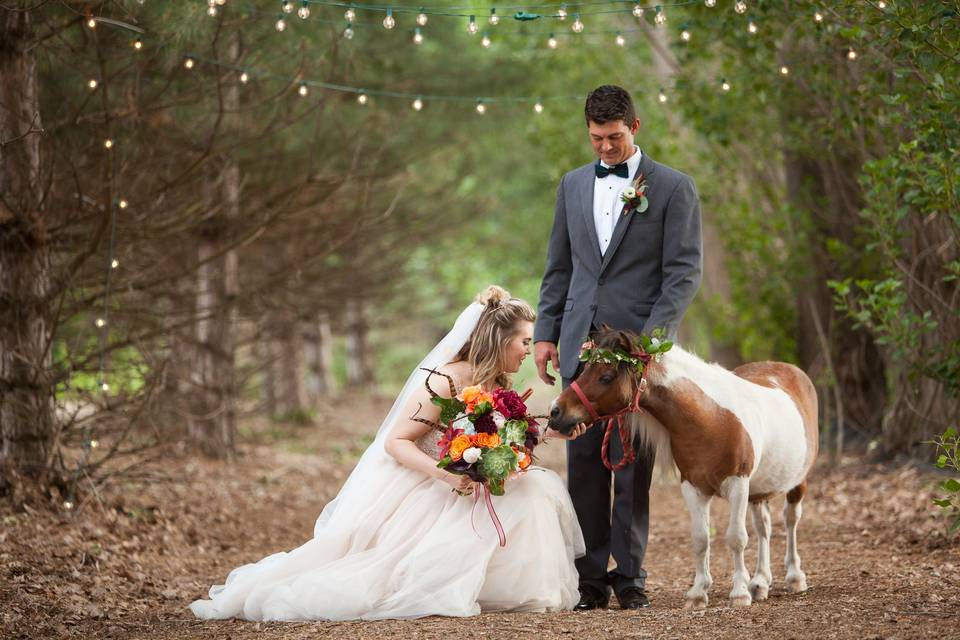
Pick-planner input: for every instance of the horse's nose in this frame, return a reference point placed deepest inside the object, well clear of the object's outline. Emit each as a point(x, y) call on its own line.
point(555, 412)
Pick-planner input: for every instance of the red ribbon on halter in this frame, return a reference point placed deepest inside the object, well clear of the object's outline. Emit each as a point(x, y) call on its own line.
point(629, 455)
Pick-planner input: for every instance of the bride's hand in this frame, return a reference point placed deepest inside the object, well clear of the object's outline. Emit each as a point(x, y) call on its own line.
point(573, 435)
point(461, 484)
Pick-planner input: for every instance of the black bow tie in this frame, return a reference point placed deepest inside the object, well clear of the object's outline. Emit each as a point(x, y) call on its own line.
point(619, 170)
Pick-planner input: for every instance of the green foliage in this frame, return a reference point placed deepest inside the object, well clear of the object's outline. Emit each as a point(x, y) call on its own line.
point(496, 464)
point(948, 450)
point(450, 408)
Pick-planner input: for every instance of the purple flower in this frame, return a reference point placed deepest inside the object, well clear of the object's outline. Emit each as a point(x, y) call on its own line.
point(485, 423)
point(509, 404)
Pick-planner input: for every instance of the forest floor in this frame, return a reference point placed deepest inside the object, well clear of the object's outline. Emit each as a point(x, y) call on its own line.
point(128, 559)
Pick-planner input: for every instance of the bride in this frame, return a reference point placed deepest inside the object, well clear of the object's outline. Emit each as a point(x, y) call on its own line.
point(399, 541)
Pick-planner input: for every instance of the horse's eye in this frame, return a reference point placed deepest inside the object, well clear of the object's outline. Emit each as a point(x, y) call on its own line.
point(606, 378)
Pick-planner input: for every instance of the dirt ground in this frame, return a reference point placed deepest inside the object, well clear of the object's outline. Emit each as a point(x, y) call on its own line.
point(127, 561)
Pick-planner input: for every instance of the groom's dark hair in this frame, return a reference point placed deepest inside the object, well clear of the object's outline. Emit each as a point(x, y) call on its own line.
point(608, 104)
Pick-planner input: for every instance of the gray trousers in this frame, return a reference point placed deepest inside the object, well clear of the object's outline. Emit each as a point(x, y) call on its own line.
point(622, 533)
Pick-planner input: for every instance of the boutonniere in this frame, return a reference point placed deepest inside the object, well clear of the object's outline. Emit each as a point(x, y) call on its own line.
point(634, 198)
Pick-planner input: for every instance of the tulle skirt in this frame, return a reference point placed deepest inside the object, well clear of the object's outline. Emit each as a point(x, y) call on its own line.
point(419, 550)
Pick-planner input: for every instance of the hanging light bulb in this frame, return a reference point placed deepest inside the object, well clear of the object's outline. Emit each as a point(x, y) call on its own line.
point(417, 36)
point(817, 16)
point(481, 108)
point(303, 90)
point(620, 40)
point(219, 2)
point(114, 264)
point(350, 15)
point(105, 386)
point(562, 12)
point(122, 203)
point(304, 11)
point(552, 42)
point(348, 32)
point(138, 44)
point(100, 322)
point(91, 22)
point(662, 97)
point(538, 107)
point(108, 143)
point(661, 17)
point(784, 70)
point(92, 83)
point(389, 22)
point(287, 6)
point(851, 54)
point(211, 3)
point(362, 98)
point(637, 9)
point(212, 10)
point(685, 34)
point(752, 26)
point(881, 5)
point(740, 6)
point(577, 25)
point(281, 24)
point(494, 18)
point(188, 63)
point(472, 27)
point(710, 3)
point(94, 444)
point(725, 85)
point(67, 505)
point(485, 41)
point(244, 77)
point(417, 104)
point(422, 18)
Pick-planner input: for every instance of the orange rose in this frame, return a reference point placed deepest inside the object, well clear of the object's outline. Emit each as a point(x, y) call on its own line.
point(460, 444)
point(526, 460)
point(472, 396)
point(487, 440)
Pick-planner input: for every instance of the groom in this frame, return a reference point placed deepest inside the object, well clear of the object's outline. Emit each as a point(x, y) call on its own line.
point(635, 271)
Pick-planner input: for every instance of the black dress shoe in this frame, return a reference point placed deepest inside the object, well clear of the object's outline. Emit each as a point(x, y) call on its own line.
point(592, 598)
point(633, 598)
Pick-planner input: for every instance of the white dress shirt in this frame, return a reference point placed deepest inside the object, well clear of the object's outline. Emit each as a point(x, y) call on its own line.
point(606, 199)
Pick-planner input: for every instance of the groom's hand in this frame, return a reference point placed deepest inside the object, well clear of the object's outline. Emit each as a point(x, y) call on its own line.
point(547, 351)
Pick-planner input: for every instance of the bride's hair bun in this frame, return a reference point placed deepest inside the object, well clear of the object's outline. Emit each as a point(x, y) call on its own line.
point(493, 296)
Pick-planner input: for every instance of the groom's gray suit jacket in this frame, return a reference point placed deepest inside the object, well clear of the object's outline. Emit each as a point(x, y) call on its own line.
point(647, 277)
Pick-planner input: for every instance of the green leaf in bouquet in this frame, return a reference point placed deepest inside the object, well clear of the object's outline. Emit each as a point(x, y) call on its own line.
point(497, 462)
point(450, 408)
point(482, 408)
point(445, 462)
point(496, 486)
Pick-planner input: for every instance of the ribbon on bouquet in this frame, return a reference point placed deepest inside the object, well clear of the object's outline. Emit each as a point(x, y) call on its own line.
point(482, 488)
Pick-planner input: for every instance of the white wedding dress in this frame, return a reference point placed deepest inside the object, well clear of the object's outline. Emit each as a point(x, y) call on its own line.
point(395, 543)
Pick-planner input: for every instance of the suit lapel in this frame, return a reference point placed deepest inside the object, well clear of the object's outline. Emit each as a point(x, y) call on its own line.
point(623, 222)
point(586, 205)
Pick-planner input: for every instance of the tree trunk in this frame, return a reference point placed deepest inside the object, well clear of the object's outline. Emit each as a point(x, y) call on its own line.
point(319, 350)
point(359, 372)
point(288, 367)
point(268, 382)
point(26, 392)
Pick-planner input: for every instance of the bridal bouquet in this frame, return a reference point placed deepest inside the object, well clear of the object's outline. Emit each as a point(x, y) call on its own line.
point(488, 437)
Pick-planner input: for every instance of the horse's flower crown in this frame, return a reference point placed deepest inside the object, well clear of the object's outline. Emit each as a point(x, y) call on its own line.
point(645, 349)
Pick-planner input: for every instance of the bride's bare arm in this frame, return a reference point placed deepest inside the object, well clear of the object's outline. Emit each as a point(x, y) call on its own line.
point(400, 442)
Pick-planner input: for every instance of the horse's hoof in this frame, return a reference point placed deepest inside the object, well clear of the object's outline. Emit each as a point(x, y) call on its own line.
point(797, 584)
point(759, 592)
point(696, 602)
point(740, 601)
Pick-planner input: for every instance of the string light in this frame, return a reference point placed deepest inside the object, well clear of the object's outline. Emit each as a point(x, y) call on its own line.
point(244, 77)
point(562, 12)
point(481, 108)
point(138, 44)
point(784, 70)
point(637, 9)
point(212, 10)
point(851, 54)
point(710, 3)
point(212, 3)
point(100, 322)
point(577, 25)
point(752, 26)
point(304, 11)
point(362, 98)
point(621, 41)
point(417, 37)
point(94, 444)
point(662, 97)
point(740, 6)
point(417, 104)
point(350, 15)
point(303, 89)
point(348, 32)
point(114, 263)
point(122, 203)
point(105, 386)
point(538, 107)
point(219, 2)
point(472, 27)
point(281, 24)
point(108, 143)
point(685, 34)
point(287, 6)
point(552, 41)
point(91, 23)
point(661, 17)
point(92, 83)
point(485, 41)
point(188, 63)
point(67, 505)
point(881, 5)
point(422, 18)
point(389, 22)
point(494, 18)
point(817, 16)
point(725, 85)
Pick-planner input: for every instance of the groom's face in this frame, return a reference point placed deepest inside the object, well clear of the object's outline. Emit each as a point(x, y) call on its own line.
point(613, 141)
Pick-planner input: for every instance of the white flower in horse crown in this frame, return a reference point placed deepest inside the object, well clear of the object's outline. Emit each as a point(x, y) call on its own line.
point(471, 455)
point(654, 343)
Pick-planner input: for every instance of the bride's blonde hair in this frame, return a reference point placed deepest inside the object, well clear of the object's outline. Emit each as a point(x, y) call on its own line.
point(498, 324)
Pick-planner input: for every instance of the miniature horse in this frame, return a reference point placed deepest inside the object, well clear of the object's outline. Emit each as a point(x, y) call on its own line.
point(745, 435)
